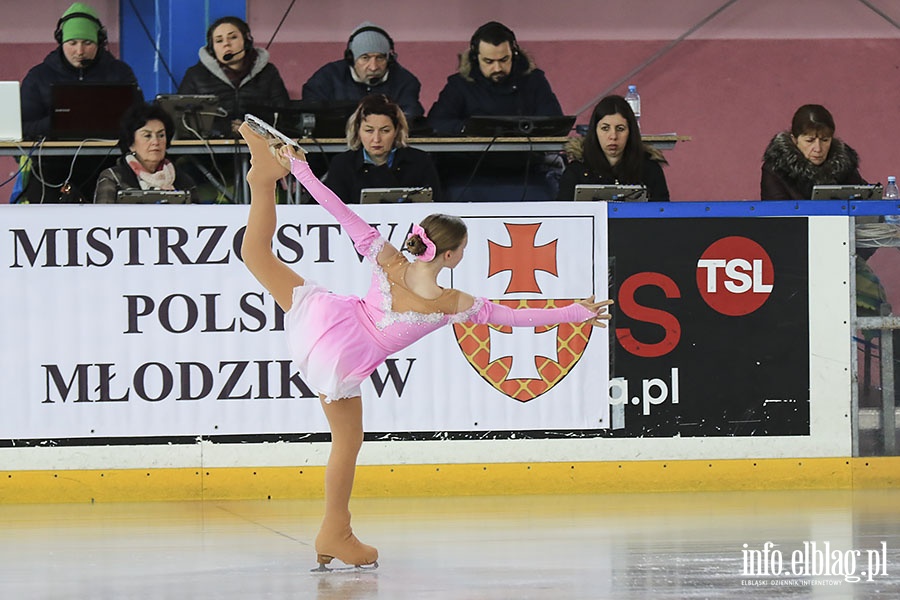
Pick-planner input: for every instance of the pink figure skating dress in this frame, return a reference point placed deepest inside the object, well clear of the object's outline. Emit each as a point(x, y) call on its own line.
point(338, 341)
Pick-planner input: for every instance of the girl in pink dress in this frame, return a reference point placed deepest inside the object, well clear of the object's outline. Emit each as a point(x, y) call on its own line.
point(338, 341)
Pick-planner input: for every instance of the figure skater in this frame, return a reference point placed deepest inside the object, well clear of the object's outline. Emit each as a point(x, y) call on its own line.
point(338, 341)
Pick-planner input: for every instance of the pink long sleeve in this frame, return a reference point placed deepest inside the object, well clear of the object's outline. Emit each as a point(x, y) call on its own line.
point(362, 234)
point(498, 314)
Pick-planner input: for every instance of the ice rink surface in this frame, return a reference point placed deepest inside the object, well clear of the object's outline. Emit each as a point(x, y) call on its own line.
point(767, 544)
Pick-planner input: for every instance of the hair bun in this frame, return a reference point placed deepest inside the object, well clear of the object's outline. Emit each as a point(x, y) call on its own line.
point(415, 245)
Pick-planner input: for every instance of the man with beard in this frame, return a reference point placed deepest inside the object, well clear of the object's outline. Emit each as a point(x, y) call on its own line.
point(495, 78)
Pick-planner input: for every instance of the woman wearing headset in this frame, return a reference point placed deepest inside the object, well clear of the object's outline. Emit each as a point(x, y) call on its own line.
point(235, 71)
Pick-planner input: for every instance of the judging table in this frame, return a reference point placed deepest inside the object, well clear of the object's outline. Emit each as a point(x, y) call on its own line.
point(224, 147)
point(329, 145)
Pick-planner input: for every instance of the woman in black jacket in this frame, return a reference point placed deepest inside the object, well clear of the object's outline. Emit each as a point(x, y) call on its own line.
point(145, 136)
point(236, 72)
point(379, 155)
point(612, 153)
point(806, 156)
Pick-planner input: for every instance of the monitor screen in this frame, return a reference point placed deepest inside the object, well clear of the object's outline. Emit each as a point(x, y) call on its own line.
point(137, 196)
point(308, 119)
point(847, 192)
point(611, 193)
point(194, 115)
point(395, 195)
point(518, 126)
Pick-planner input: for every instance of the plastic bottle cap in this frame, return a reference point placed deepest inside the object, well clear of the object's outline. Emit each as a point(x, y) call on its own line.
point(892, 179)
point(632, 88)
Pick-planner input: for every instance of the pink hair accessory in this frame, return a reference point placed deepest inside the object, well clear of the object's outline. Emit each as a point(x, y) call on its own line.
point(430, 248)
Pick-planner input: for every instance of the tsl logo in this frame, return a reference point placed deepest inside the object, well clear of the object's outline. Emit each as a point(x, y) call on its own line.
point(522, 258)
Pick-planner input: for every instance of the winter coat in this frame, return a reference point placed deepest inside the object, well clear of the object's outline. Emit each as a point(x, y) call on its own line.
point(36, 99)
point(468, 93)
point(578, 173)
point(788, 175)
point(334, 82)
point(348, 174)
point(122, 177)
point(262, 86)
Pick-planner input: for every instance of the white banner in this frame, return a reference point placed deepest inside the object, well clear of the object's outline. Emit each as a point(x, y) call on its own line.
point(140, 321)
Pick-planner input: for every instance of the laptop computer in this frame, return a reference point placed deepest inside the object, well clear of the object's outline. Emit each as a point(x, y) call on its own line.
point(518, 126)
point(395, 195)
point(847, 192)
point(611, 193)
point(194, 115)
point(89, 110)
point(10, 112)
point(138, 196)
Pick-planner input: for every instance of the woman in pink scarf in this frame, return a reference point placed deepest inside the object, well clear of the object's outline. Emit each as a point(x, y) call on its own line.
point(146, 135)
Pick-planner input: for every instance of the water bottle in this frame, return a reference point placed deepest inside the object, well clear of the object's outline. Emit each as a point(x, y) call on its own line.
point(634, 101)
point(892, 192)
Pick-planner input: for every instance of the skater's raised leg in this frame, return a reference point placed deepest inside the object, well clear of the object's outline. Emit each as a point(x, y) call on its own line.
point(256, 250)
point(336, 539)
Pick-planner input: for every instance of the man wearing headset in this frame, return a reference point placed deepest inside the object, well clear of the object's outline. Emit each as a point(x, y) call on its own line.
point(81, 55)
point(495, 78)
point(369, 66)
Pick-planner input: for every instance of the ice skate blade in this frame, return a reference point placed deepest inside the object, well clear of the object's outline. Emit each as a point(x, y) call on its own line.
point(324, 560)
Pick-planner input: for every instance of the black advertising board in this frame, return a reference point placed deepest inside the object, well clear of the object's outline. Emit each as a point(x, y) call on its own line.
point(711, 327)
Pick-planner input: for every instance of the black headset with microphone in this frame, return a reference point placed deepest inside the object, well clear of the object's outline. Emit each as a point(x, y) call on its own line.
point(490, 31)
point(242, 26)
point(102, 37)
point(392, 54)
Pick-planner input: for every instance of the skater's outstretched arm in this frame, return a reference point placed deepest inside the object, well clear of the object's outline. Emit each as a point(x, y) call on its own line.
point(362, 234)
point(580, 311)
point(256, 249)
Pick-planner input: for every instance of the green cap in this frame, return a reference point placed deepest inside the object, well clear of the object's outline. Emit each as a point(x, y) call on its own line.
point(80, 28)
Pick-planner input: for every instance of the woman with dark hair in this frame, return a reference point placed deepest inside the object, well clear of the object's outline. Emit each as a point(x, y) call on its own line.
point(806, 156)
point(612, 153)
point(338, 341)
point(235, 71)
point(379, 154)
point(146, 134)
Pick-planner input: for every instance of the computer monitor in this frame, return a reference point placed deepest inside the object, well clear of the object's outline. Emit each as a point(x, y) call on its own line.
point(518, 126)
point(194, 115)
point(10, 112)
point(847, 192)
point(611, 193)
point(90, 110)
point(395, 195)
point(308, 119)
point(138, 196)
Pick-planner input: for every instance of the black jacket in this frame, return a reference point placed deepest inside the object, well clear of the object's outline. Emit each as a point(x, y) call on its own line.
point(348, 174)
point(263, 86)
point(36, 101)
point(578, 173)
point(335, 82)
point(468, 93)
point(122, 177)
point(788, 175)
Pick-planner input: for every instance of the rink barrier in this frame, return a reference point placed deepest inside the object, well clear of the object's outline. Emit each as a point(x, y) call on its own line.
point(385, 481)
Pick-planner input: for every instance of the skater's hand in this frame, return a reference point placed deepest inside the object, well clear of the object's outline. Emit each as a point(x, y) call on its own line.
point(599, 309)
point(285, 153)
point(264, 165)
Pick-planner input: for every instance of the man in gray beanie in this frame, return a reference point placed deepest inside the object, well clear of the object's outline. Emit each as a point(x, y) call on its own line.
point(369, 66)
